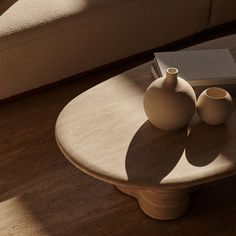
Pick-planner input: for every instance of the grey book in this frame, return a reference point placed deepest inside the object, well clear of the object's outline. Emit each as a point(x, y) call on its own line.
point(198, 67)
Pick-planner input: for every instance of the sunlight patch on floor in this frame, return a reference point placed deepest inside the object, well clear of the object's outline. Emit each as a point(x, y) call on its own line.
point(15, 219)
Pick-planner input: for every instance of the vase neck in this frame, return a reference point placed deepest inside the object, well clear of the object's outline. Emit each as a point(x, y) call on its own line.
point(170, 81)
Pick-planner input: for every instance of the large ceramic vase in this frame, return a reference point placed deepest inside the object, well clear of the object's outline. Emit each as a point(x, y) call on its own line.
point(214, 106)
point(170, 101)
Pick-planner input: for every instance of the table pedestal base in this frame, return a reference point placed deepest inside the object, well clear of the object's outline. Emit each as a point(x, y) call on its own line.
point(162, 204)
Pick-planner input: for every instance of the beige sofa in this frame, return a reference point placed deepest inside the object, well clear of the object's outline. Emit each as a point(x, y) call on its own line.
point(45, 41)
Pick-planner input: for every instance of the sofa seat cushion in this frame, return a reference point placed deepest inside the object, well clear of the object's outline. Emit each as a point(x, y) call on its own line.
point(27, 20)
point(45, 41)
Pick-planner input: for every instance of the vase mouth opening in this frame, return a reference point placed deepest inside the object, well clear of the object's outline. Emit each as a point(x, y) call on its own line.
point(172, 70)
point(216, 93)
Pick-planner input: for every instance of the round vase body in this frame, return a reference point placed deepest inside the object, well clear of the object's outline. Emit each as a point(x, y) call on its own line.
point(214, 106)
point(169, 102)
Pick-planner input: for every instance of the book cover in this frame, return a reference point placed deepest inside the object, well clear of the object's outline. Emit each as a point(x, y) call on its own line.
point(199, 67)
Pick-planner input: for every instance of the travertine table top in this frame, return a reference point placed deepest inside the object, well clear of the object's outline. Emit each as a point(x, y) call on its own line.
point(105, 133)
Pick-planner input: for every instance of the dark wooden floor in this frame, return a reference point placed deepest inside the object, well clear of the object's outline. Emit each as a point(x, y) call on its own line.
point(41, 193)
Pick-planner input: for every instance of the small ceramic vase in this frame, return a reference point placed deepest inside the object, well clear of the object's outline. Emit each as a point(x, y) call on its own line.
point(214, 106)
point(170, 101)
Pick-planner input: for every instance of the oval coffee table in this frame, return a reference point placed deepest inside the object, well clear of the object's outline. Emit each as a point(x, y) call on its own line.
point(105, 133)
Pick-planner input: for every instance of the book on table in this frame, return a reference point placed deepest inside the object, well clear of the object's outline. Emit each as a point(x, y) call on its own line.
point(211, 67)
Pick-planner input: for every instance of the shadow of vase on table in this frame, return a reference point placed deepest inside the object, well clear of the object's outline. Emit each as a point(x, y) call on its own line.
point(205, 143)
point(154, 153)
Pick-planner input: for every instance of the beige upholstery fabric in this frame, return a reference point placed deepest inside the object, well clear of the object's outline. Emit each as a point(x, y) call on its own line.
point(44, 41)
point(222, 11)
